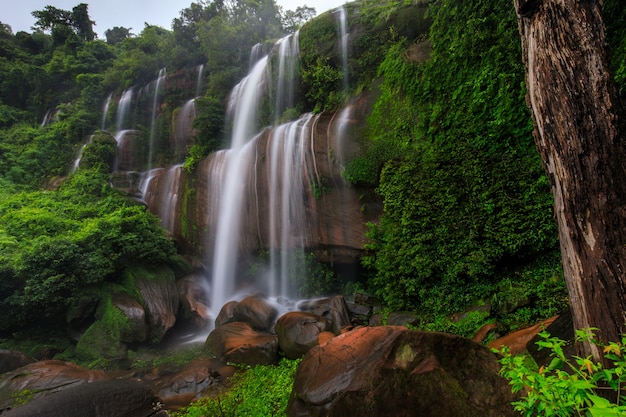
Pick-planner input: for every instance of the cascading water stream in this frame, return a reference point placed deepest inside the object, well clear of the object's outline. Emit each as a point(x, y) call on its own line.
point(287, 150)
point(343, 38)
point(199, 81)
point(244, 104)
point(288, 53)
point(155, 102)
point(105, 111)
point(123, 109)
point(159, 189)
point(76, 163)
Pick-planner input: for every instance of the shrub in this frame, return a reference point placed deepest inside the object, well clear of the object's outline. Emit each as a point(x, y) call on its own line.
point(567, 386)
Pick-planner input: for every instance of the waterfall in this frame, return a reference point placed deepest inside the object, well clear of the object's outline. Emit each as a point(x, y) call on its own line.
point(288, 54)
point(105, 111)
point(184, 126)
point(159, 189)
point(199, 81)
point(243, 106)
point(256, 53)
point(124, 156)
point(343, 39)
point(76, 163)
point(287, 151)
point(155, 102)
point(123, 109)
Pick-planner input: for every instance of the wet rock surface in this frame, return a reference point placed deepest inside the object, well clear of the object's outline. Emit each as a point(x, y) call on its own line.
point(238, 342)
point(299, 331)
point(10, 360)
point(393, 371)
point(120, 398)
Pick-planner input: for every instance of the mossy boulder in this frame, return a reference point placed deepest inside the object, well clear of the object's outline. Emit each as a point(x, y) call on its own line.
point(102, 341)
point(394, 371)
point(155, 289)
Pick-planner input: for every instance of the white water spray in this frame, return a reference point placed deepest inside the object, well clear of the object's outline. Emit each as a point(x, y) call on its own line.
point(244, 104)
point(105, 111)
point(123, 109)
point(343, 39)
point(155, 103)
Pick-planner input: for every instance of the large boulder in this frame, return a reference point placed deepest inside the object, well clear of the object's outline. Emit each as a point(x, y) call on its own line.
point(178, 385)
point(393, 371)
point(298, 332)
point(159, 297)
point(136, 329)
point(42, 378)
point(339, 313)
point(192, 293)
point(11, 359)
point(115, 398)
point(226, 314)
point(238, 342)
point(257, 311)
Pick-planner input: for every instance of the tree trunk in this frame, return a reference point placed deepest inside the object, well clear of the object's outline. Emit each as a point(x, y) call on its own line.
point(578, 130)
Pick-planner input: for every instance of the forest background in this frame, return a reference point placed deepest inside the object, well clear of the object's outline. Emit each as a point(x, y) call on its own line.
point(448, 147)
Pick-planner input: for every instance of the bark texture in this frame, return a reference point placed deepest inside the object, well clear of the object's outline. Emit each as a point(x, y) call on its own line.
point(578, 130)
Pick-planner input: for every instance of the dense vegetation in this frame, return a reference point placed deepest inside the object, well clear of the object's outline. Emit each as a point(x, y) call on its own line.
point(466, 200)
point(448, 147)
point(64, 237)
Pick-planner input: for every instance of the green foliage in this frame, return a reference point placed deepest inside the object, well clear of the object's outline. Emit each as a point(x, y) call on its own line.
point(465, 327)
point(256, 392)
point(100, 153)
point(209, 122)
point(103, 339)
point(311, 277)
point(320, 65)
point(59, 244)
point(466, 196)
point(566, 387)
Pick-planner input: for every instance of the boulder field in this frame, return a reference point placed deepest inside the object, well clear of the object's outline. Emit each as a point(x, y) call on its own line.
point(348, 367)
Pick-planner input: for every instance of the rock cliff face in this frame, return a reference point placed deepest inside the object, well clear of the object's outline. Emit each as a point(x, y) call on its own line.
point(335, 212)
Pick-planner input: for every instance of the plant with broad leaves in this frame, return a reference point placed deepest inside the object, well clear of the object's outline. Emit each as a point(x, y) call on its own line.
point(569, 386)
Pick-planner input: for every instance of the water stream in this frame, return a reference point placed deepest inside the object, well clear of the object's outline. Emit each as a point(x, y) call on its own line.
point(155, 103)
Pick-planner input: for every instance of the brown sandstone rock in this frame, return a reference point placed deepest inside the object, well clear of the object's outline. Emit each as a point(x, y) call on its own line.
point(325, 337)
point(43, 378)
point(227, 314)
point(339, 313)
point(176, 386)
point(160, 297)
point(134, 312)
point(115, 398)
point(298, 332)
point(239, 343)
point(193, 299)
point(11, 360)
point(516, 341)
point(257, 311)
point(393, 371)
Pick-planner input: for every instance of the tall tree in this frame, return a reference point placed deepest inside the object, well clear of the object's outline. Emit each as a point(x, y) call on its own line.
point(579, 132)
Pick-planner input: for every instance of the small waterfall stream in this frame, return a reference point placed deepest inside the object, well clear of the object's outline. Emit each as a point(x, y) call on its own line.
point(288, 155)
point(199, 81)
point(123, 109)
point(105, 111)
point(243, 105)
point(343, 39)
point(157, 88)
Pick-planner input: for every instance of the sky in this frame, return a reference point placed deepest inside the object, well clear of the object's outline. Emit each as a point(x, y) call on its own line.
point(126, 13)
